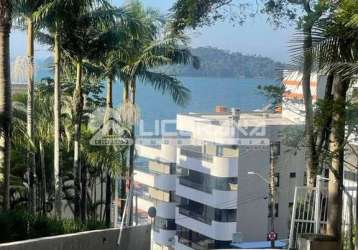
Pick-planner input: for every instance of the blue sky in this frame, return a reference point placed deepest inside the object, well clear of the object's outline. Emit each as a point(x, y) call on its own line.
point(255, 37)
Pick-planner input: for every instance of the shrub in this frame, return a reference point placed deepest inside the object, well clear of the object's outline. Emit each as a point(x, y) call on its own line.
point(17, 226)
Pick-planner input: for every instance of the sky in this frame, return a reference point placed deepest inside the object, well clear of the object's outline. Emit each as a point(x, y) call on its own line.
point(254, 37)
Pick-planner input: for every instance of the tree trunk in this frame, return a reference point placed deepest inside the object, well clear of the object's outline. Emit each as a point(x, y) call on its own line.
point(324, 130)
point(43, 177)
point(84, 193)
point(124, 172)
point(335, 184)
point(5, 100)
point(101, 195)
point(310, 145)
point(132, 88)
point(57, 127)
point(109, 105)
point(108, 200)
point(77, 111)
point(29, 116)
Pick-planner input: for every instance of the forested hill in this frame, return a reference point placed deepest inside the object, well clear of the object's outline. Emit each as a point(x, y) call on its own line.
point(220, 63)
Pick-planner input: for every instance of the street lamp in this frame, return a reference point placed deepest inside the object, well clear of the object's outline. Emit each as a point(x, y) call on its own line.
point(272, 204)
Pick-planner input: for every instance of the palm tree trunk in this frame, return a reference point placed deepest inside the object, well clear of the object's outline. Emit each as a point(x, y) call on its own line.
point(124, 172)
point(29, 118)
point(57, 127)
point(132, 87)
point(108, 200)
point(84, 193)
point(101, 195)
point(77, 110)
point(5, 99)
point(335, 184)
point(109, 106)
point(310, 145)
point(109, 99)
point(43, 177)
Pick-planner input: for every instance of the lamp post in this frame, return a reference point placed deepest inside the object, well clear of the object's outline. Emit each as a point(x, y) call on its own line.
point(272, 202)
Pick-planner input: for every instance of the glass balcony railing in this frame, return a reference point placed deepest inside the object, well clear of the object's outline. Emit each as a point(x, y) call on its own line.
point(201, 187)
point(196, 153)
point(156, 168)
point(193, 215)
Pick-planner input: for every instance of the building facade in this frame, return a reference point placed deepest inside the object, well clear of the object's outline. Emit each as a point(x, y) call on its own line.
point(155, 177)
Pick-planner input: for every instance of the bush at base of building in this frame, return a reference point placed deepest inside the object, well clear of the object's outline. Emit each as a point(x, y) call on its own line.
point(16, 226)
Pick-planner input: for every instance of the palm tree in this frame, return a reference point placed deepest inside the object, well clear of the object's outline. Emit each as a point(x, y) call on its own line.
point(146, 55)
point(41, 143)
point(83, 42)
point(54, 15)
point(5, 99)
point(25, 12)
point(57, 15)
point(335, 52)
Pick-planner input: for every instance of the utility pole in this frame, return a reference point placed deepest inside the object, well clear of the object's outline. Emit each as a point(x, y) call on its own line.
point(274, 153)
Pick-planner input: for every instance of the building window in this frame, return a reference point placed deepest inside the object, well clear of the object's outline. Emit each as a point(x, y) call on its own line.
point(204, 213)
point(198, 241)
point(292, 175)
point(205, 182)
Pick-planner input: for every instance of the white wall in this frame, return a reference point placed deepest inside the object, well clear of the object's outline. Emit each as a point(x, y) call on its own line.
point(133, 238)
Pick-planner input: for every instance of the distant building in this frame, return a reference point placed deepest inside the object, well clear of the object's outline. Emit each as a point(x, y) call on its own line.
point(201, 187)
point(293, 102)
point(155, 176)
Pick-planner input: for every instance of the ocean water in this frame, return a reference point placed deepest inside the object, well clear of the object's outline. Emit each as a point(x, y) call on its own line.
point(206, 94)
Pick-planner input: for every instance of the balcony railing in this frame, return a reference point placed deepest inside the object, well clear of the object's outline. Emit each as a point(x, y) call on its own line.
point(193, 215)
point(195, 152)
point(201, 187)
point(156, 169)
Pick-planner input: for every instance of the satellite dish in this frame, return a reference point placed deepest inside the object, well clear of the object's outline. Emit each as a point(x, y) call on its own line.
point(152, 212)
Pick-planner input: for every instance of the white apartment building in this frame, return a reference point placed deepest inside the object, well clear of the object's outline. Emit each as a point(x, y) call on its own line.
point(214, 181)
point(210, 197)
point(155, 176)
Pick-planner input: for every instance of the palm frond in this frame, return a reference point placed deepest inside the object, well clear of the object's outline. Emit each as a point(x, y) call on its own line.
point(167, 84)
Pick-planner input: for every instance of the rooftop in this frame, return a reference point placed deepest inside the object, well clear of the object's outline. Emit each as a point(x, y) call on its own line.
point(247, 117)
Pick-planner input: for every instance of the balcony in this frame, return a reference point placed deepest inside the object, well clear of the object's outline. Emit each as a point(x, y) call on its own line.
point(164, 237)
point(165, 153)
point(219, 131)
point(188, 183)
point(182, 244)
point(193, 215)
point(216, 198)
point(145, 176)
point(221, 231)
point(195, 152)
point(193, 158)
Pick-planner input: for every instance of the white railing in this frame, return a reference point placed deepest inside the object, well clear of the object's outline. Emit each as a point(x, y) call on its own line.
point(309, 211)
point(307, 218)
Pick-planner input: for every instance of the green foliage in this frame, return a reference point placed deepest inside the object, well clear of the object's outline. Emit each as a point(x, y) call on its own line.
point(220, 63)
point(18, 225)
point(198, 13)
point(274, 93)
